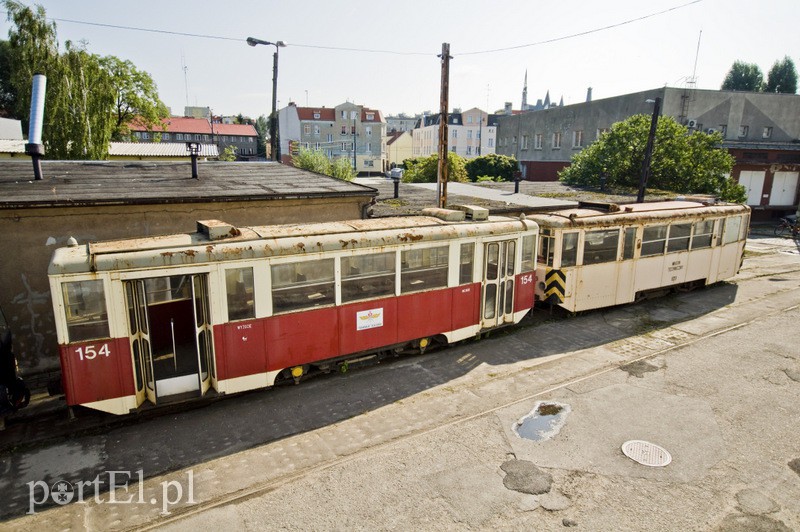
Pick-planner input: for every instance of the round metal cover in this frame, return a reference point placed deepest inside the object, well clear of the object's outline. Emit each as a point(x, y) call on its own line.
point(646, 453)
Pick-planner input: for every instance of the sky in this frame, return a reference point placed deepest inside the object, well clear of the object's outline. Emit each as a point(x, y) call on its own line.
point(383, 54)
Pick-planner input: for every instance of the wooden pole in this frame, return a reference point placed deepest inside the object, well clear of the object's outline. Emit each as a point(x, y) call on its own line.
point(443, 170)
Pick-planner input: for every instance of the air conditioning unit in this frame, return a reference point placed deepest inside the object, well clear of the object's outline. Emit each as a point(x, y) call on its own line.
point(711, 130)
point(691, 123)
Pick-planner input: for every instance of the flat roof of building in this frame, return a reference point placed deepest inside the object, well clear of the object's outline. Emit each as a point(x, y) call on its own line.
point(92, 183)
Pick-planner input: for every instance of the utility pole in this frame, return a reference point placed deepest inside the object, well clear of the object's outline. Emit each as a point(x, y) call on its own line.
point(355, 166)
point(443, 169)
point(648, 151)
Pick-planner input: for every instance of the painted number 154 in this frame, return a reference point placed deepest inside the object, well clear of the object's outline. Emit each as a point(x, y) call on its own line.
point(88, 352)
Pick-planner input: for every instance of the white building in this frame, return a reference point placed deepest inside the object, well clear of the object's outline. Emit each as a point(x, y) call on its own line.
point(471, 134)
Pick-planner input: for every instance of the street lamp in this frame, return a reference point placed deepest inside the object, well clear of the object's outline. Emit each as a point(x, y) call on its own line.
point(648, 151)
point(273, 117)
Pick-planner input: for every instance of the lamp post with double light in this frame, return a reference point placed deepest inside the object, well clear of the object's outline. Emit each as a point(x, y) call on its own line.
point(275, 146)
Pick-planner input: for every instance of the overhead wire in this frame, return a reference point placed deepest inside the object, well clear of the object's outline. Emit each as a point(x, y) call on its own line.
point(380, 51)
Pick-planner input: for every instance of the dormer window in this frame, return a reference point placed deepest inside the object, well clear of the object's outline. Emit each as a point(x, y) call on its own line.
point(316, 116)
point(370, 116)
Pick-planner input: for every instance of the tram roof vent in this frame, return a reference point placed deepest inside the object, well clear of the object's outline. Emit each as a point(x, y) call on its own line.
point(448, 215)
point(216, 230)
point(474, 212)
point(599, 205)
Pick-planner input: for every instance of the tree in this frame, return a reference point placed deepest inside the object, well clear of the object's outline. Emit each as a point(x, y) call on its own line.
point(492, 165)
point(744, 77)
point(86, 93)
point(6, 89)
point(136, 97)
point(228, 154)
point(262, 128)
point(782, 77)
point(425, 169)
point(316, 161)
point(682, 161)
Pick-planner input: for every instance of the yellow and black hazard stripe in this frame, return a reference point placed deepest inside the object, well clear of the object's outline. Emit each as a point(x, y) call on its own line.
point(555, 283)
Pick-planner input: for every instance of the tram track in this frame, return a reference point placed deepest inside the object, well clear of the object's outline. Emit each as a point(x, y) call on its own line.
point(263, 488)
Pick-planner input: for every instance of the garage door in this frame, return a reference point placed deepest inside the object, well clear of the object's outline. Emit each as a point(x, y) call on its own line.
point(753, 181)
point(784, 188)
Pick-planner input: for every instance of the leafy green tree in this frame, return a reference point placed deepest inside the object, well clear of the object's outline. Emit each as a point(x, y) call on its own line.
point(262, 128)
point(6, 89)
point(682, 161)
point(492, 165)
point(316, 161)
point(136, 97)
point(425, 169)
point(228, 154)
point(782, 77)
point(744, 77)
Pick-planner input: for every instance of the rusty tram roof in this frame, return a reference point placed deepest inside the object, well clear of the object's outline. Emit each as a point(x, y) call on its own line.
point(97, 183)
point(627, 214)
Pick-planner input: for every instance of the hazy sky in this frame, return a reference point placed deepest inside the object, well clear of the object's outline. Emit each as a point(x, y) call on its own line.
point(396, 68)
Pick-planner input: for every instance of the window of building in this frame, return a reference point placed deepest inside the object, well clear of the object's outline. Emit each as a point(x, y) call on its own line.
point(250, 139)
point(179, 136)
point(455, 134)
point(469, 119)
point(524, 142)
point(353, 115)
point(569, 249)
point(767, 133)
point(537, 141)
point(85, 310)
point(197, 137)
point(557, 140)
point(145, 135)
point(679, 237)
point(299, 285)
point(344, 115)
point(469, 133)
point(352, 130)
point(577, 139)
point(600, 246)
point(344, 130)
point(723, 128)
point(330, 137)
point(491, 143)
point(306, 129)
point(369, 147)
point(423, 269)
point(653, 240)
point(368, 276)
point(469, 150)
point(241, 294)
point(369, 162)
point(370, 116)
point(205, 138)
point(165, 136)
point(455, 120)
point(368, 131)
point(744, 130)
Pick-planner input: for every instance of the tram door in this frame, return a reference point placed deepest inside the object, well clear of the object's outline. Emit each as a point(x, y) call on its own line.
point(498, 283)
point(173, 334)
point(139, 330)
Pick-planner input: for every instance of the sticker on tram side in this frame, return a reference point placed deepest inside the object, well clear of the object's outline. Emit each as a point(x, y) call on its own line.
point(369, 319)
point(555, 282)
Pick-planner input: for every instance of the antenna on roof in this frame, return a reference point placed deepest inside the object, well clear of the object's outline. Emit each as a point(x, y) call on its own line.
point(185, 77)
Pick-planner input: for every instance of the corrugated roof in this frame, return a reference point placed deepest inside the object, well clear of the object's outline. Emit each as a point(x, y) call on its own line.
point(158, 149)
point(91, 183)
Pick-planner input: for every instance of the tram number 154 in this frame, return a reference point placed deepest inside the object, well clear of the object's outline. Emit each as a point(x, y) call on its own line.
point(527, 278)
point(88, 352)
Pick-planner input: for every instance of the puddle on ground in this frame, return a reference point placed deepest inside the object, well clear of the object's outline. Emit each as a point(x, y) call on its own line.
point(543, 422)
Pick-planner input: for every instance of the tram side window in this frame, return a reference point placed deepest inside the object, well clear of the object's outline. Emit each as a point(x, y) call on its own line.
point(702, 234)
point(600, 246)
point(423, 269)
point(629, 245)
point(240, 290)
point(679, 237)
point(300, 285)
point(546, 247)
point(528, 265)
point(465, 263)
point(745, 226)
point(653, 239)
point(569, 249)
point(85, 310)
point(733, 226)
point(367, 276)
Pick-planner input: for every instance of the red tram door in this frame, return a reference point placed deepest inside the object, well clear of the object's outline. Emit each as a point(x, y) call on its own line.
point(498, 283)
point(170, 334)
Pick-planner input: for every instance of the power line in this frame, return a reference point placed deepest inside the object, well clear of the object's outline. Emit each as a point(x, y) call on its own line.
point(582, 33)
point(379, 51)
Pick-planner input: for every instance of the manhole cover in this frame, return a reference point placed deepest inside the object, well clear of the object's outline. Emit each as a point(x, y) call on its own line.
point(646, 453)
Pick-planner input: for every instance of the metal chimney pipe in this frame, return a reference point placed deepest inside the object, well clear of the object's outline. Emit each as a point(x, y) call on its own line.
point(194, 149)
point(34, 147)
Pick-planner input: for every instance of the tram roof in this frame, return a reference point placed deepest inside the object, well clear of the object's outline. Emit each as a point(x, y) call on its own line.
point(628, 214)
point(270, 241)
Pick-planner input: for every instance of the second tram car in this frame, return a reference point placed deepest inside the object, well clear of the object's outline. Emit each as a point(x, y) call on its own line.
point(591, 258)
point(231, 309)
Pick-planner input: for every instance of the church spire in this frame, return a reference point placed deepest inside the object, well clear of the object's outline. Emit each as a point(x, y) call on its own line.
point(525, 92)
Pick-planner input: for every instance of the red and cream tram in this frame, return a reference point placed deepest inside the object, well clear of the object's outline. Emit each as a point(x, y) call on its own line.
point(591, 258)
point(233, 309)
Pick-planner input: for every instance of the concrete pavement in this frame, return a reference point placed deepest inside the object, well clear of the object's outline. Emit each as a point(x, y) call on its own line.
point(420, 443)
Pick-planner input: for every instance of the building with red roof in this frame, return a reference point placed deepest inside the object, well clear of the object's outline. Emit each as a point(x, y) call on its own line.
point(243, 137)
